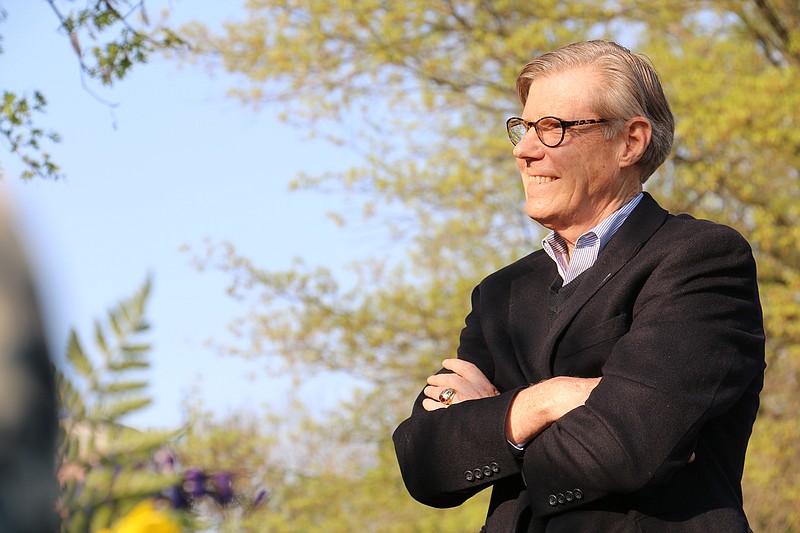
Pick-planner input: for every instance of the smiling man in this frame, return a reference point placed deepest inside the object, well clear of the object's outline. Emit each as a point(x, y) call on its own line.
point(610, 380)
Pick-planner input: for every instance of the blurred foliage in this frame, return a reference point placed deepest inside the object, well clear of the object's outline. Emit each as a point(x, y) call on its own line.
point(240, 446)
point(105, 467)
point(420, 91)
point(321, 473)
point(115, 478)
point(108, 37)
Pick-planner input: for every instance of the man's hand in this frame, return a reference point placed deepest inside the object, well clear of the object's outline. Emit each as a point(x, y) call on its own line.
point(540, 405)
point(467, 380)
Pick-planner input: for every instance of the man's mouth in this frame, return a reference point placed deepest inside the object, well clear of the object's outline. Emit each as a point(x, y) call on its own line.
point(539, 180)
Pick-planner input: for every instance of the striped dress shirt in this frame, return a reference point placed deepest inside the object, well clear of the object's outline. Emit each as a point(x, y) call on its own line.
point(588, 246)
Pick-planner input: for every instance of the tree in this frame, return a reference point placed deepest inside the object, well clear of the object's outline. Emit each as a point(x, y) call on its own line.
point(429, 85)
point(109, 37)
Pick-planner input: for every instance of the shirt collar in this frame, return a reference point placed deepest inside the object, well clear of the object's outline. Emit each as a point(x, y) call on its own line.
point(596, 238)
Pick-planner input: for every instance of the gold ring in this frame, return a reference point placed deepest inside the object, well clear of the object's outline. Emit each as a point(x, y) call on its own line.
point(447, 395)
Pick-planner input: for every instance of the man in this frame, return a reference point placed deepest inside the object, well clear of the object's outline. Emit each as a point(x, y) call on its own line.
point(610, 381)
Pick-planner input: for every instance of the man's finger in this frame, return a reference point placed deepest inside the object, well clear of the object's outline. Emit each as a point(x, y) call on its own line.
point(432, 405)
point(464, 368)
point(443, 380)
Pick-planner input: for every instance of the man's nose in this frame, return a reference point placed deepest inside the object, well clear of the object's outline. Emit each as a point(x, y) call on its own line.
point(529, 147)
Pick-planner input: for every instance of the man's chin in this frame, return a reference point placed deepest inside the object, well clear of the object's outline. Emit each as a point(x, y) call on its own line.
point(542, 216)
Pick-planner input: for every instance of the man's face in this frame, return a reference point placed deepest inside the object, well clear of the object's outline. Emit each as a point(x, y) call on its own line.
point(574, 186)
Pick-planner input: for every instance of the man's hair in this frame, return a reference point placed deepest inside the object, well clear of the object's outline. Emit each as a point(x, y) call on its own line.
point(631, 88)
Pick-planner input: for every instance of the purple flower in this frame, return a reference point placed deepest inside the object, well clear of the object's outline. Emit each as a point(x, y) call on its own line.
point(176, 497)
point(194, 483)
point(260, 497)
point(223, 485)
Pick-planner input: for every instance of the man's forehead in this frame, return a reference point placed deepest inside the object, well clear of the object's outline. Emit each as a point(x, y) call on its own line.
point(572, 90)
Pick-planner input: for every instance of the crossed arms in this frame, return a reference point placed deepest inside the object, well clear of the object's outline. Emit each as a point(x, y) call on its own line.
point(532, 410)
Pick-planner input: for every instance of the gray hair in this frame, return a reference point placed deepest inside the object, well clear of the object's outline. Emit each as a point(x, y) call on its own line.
point(632, 88)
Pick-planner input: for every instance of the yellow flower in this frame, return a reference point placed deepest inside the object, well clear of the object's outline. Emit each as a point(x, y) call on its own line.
point(145, 518)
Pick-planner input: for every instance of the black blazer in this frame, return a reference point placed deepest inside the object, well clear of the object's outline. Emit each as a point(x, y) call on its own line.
point(669, 315)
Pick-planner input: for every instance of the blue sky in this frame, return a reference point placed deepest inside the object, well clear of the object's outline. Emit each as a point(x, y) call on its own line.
point(174, 163)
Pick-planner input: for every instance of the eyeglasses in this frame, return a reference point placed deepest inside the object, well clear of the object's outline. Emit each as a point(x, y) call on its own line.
point(550, 130)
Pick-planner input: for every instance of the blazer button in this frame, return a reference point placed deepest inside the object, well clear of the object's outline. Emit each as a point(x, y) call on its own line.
point(552, 500)
point(578, 494)
point(487, 471)
point(478, 473)
point(495, 468)
point(468, 475)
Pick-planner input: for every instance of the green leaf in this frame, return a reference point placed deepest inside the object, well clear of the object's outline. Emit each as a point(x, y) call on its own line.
point(123, 386)
point(105, 485)
point(120, 366)
point(136, 348)
point(102, 517)
point(100, 339)
point(69, 398)
point(113, 321)
point(77, 357)
point(114, 410)
point(130, 442)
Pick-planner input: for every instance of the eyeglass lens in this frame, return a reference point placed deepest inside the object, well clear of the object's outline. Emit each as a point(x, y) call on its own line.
point(549, 130)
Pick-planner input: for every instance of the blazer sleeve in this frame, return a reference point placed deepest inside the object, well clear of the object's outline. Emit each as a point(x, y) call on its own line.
point(448, 455)
point(695, 346)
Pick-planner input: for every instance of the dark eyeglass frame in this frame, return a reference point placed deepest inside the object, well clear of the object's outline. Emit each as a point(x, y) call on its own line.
point(535, 125)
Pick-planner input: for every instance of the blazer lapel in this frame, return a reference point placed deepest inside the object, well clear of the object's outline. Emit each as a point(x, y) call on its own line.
point(528, 317)
point(623, 246)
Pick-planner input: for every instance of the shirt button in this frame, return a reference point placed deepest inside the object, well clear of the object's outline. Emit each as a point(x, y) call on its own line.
point(478, 473)
point(578, 494)
point(468, 475)
point(552, 500)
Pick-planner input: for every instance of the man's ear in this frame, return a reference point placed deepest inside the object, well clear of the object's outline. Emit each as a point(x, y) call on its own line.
point(636, 134)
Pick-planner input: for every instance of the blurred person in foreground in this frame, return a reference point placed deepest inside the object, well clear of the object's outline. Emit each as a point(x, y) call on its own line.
point(610, 381)
point(28, 417)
